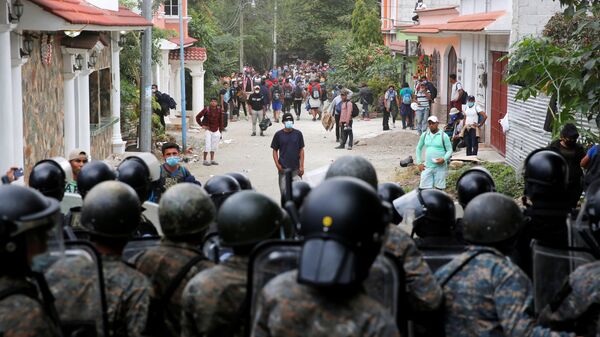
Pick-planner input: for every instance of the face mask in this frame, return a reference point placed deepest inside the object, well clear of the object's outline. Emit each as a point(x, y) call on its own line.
point(289, 124)
point(470, 104)
point(172, 161)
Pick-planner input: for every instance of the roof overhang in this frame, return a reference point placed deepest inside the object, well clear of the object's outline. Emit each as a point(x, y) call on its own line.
point(55, 15)
point(493, 23)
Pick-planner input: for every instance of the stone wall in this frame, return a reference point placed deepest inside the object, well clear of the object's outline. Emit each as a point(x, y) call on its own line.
point(102, 144)
point(43, 105)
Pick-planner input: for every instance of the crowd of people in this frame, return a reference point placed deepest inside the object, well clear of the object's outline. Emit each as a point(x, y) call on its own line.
point(198, 272)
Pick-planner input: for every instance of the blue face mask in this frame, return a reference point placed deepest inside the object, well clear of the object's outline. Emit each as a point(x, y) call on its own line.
point(288, 124)
point(172, 161)
point(470, 104)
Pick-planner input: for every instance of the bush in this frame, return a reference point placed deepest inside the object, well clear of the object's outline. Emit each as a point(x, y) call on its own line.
point(507, 180)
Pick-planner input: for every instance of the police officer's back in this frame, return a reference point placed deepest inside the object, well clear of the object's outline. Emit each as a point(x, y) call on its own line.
point(110, 214)
point(485, 293)
point(25, 217)
point(214, 301)
point(325, 296)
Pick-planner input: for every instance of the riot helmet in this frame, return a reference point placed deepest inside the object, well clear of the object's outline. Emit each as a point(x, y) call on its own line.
point(300, 189)
point(185, 209)
point(390, 192)
point(49, 178)
point(344, 225)
point(434, 212)
point(220, 188)
point(92, 174)
point(472, 183)
point(491, 218)
point(111, 209)
point(23, 211)
point(546, 175)
point(135, 173)
point(247, 218)
point(242, 179)
point(353, 166)
point(149, 160)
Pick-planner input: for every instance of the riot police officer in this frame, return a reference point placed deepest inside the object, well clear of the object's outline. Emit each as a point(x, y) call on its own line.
point(185, 212)
point(220, 188)
point(423, 292)
point(110, 213)
point(242, 179)
point(327, 289)
point(485, 293)
point(214, 300)
point(390, 192)
point(300, 190)
point(26, 216)
point(48, 177)
point(473, 182)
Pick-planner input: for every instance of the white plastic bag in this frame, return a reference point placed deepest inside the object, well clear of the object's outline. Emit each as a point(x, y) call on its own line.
point(505, 124)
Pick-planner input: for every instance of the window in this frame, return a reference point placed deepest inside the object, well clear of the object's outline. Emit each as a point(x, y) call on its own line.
point(172, 7)
point(100, 108)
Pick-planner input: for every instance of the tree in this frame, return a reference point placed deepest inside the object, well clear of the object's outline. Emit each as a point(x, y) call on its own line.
point(366, 25)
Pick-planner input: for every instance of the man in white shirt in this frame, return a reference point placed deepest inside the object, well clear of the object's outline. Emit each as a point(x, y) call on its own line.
point(474, 119)
point(457, 93)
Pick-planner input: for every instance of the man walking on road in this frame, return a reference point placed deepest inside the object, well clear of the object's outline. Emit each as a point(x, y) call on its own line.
point(257, 105)
point(288, 151)
point(438, 150)
point(211, 120)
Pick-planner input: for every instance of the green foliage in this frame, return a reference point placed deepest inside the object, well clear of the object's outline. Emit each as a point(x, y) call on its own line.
point(366, 25)
point(564, 64)
point(507, 180)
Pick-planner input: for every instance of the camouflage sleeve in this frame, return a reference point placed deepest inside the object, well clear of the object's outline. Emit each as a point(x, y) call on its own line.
point(22, 316)
point(137, 307)
point(260, 325)
point(424, 293)
point(514, 305)
point(189, 310)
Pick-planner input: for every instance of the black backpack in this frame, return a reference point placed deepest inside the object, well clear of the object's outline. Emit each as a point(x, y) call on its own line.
point(355, 110)
point(464, 97)
point(298, 92)
point(432, 89)
point(276, 95)
point(287, 94)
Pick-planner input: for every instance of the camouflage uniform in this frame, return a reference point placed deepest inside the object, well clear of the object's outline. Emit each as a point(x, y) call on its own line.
point(577, 306)
point(489, 296)
point(424, 293)
point(287, 308)
point(161, 264)
point(21, 315)
point(213, 298)
point(128, 295)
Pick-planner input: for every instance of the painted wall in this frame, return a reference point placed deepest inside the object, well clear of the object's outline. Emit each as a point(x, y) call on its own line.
point(171, 22)
point(43, 105)
point(530, 17)
point(479, 6)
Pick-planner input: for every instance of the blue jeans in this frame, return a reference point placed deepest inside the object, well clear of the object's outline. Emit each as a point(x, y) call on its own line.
point(422, 115)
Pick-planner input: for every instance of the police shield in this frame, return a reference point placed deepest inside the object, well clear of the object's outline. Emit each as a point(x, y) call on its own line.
point(437, 256)
point(275, 257)
point(551, 269)
point(76, 282)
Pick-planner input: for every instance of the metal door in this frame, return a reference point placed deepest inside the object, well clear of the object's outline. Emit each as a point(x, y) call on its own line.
point(499, 102)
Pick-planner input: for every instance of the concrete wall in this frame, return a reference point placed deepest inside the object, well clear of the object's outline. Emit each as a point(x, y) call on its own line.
point(530, 17)
point(43, 105)
point(482, 6)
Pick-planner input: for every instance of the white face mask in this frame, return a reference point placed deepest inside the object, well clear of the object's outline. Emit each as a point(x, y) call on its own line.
point(256, 91)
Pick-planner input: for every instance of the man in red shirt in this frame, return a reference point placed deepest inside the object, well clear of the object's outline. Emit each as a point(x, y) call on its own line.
point(211, 120)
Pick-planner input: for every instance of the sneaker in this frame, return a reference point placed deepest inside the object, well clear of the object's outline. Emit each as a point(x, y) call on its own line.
point(212, 162)
point(349, 147)
point(340, 147)
point(206, 163)
point(262, 134)
point(314, 119)
point(253, 134)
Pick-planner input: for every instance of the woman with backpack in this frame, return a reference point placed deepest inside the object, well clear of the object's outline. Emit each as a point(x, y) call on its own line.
point(407, 114)
point(474, 119)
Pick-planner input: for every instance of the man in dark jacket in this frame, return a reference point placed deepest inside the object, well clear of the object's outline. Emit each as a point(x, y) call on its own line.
point(573, 152)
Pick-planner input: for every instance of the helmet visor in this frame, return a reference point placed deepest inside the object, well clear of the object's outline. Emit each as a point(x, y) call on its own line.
point(409, 207)
point(326, 262)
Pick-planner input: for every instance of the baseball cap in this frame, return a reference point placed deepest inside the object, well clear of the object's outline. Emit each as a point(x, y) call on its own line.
point(287, 117)
point(454, 111)
point(76, 153)
point(433, 119)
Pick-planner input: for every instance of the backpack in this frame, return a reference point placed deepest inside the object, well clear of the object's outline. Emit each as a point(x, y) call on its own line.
point(316, 92)
point(298, 92)
point(323, 95)
point(432, 89)
point(407, 98)
point(276, 95)
point(287, 93)
point(355, 110)
point(464, 97)
point(226, 96)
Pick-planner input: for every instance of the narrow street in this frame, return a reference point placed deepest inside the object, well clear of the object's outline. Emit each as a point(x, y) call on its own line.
point(252, 156)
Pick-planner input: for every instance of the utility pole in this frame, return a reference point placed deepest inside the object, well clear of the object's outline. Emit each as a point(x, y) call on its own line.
point(145, 133)
point(182, 75)
point(275, 36)
point(241, 37)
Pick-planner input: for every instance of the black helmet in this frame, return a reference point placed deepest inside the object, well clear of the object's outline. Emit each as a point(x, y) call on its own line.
point(241, 179)
point(472, 183)
point(353, 166)
point(49, 178)
point(247, 218)
point(185, 209)
point(546, 175)
point(22, 210)
point(300, 189)
point(111, 209)
point(135, 173)
point(491, 218)
point(92, 174)
point(344, 224)
point(435, 214)
point(390, 192)
point(220, 188)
